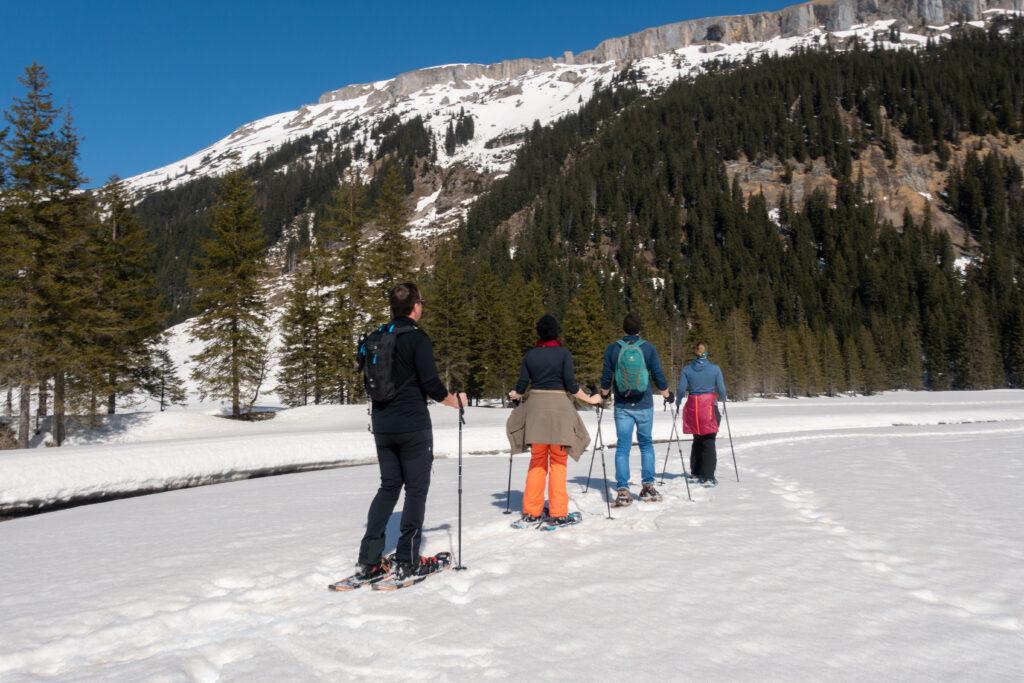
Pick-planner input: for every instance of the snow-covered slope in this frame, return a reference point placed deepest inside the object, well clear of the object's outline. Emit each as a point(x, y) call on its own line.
point(868, 539)
point(505, 99)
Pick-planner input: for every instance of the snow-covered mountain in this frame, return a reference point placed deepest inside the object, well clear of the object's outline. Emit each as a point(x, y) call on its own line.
point(506, 98)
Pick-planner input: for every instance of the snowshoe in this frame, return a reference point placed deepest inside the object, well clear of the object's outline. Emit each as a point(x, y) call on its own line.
point(649, 494)
point(527, 521)
point(405, 574)
point(623, 499)
point(367, 574)
point(709, 483)
point(558, 522)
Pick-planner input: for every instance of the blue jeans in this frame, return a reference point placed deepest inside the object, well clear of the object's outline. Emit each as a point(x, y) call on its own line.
point(625, 420)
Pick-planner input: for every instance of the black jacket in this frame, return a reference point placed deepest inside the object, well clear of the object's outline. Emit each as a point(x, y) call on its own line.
point(407, 412)
point(547, 367)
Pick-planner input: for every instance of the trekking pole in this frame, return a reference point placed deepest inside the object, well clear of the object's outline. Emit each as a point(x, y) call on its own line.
point(508, 496)
point(604, 472)
point(668, 451)
point(679, 447)
point(725, 410)
point(593, 453)
point(462, 421)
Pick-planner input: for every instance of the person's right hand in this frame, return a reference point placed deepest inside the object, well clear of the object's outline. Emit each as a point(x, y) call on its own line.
point(594, 399)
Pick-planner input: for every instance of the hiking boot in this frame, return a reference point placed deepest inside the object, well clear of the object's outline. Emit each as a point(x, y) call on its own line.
point(426, 565)
point(623, 498)
point(709, 483)
point(374, 572)
point(568, 520)
point(530, 519)
point(649, 494)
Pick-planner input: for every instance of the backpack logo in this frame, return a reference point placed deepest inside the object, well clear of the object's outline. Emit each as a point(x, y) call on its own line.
point(377, 362)
point(631, 374)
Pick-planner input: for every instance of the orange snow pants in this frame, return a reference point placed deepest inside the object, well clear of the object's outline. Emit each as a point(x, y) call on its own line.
point(558, 496)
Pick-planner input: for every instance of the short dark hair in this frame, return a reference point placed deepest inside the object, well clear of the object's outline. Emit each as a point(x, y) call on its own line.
point(632, 323)
point(402, 299)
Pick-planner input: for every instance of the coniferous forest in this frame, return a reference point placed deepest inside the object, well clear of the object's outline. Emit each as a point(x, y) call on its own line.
point(628, 204)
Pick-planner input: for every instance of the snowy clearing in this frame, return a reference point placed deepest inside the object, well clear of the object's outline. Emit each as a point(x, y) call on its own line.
point(869, 538)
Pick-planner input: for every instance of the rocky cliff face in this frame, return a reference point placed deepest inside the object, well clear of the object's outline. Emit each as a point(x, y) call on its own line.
point(829, 15)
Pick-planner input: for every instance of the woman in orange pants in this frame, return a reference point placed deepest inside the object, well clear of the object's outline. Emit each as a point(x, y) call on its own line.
point(552, 427)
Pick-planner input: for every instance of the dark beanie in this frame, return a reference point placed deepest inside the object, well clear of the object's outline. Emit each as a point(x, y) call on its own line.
point(547, 328)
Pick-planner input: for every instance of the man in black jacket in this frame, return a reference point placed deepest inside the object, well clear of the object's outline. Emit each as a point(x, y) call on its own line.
point(405, 442)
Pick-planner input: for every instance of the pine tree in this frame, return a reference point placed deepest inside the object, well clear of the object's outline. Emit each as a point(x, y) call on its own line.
point(587, 331)
point(492, 368)
point(129, 292)
point(306, 364)
point(356, 306)
point(448, 321)
point(392, 261)
point(528, 309)
point(228, 281)
point(872, 372)
point(770, 363)
point(854, 368)
point(832, 381)
point(51, 277)
point(977, 364)
point(703, 326)
point(161, 381)
point(795, 364)
point(738, 366)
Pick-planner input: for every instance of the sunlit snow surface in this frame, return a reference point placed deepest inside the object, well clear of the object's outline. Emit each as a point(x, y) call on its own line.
point(869, 538)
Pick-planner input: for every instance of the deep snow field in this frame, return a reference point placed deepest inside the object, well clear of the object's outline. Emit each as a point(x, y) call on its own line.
point(869, 538)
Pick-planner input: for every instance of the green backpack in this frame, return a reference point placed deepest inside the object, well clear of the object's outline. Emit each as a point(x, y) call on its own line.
point(631, 369)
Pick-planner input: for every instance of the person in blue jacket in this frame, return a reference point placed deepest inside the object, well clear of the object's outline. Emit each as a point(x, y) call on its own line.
point(634, 408)
point(702, 381)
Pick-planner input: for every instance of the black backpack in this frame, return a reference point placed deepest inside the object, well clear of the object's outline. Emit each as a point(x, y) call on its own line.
point(377, 361)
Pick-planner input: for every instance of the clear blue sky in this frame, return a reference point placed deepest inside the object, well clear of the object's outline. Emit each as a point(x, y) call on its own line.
point(152, 82)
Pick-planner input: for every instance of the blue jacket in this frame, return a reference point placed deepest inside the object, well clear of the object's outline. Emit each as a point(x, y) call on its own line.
point(611, 357)
point(700, 377)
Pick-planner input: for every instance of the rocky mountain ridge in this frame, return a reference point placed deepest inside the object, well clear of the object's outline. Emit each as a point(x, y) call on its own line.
point(507, 98)
point(828, 15)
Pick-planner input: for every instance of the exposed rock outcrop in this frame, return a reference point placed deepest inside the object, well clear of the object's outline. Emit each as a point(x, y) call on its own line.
point(829, 15)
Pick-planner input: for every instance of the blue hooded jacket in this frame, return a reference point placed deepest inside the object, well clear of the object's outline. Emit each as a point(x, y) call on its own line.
point(700, 377)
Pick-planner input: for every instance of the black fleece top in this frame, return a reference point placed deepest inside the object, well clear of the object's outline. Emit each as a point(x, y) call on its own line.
point(407, 412)
point(549, 367)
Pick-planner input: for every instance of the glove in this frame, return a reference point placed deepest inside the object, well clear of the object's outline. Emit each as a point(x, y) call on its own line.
point(671, 397)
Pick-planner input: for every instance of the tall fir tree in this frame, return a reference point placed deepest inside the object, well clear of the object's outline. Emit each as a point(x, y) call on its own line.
point(588, 331)
point(51, 275)
point(393, 256)
point(447, 320)
point(229, 285)
point(493, 367)
point(356, 306)
point(738, 364)
point(305, 369)
point(832, 381)
point(132, 342)
point(770, 363)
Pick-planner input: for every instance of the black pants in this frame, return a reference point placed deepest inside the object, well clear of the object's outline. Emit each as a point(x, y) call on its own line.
point(703, 456)
point(405, 460)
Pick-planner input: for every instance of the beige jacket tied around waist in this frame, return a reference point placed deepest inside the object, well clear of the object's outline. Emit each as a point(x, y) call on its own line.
point(547, 417)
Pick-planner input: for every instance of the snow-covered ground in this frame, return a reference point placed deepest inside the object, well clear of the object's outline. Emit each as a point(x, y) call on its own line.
point(868, 538)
